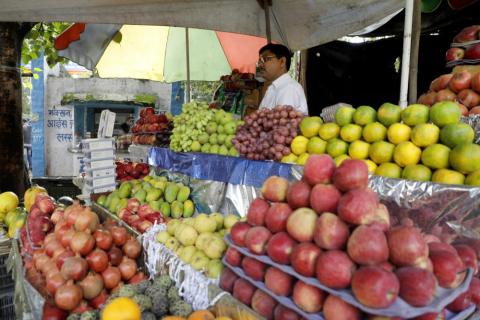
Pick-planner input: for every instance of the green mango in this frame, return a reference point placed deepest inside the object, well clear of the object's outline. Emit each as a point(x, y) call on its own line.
point(155, 205)
point(188, 208)
point(177, 209)
point(165, 209)
point(164, 179)
point(101, 200)
point(136, 188)
point(160, 185)
point(183, 194)
point(171, 192)
point(125, 190)
point(153, 194)
point(140, 195)
point(121, 204)
point(146, 186)
point(108, 200)
point(113, 204)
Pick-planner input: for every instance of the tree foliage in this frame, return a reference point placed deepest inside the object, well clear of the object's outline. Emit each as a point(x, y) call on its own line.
point(41, 38)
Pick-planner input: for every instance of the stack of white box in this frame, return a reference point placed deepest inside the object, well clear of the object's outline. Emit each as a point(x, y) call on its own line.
point(99, 163)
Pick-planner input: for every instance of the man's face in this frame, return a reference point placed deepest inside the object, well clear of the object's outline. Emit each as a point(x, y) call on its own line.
point(270, 66)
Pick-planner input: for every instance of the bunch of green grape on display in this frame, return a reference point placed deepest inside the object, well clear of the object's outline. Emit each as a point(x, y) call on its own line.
point(189, 125)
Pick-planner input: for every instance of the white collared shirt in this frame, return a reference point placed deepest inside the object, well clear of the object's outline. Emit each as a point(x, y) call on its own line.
point(285, 91)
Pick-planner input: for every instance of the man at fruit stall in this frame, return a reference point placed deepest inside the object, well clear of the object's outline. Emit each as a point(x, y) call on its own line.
point(274, 63)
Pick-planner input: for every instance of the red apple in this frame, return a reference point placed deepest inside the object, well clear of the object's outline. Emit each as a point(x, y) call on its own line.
point(417, 286)
point(254, 268)
point(277, 216)
point(298, 194)
point(280, 247)
point(386, 265)
point(324, 198)
point(263, 304)
point(375, 287)
point(124, 214)
point(407, 247)
point(278, 282)
point(334, 269)
point(144, 210)
point(257, 211)
point(351, 174)
point(467, 34)
point(256, 239)
point(454, 54)
point(473, 52)
point(474, 291)
point(380, 219)
point(301, 224)
point(461, 303)
point(468, 256)
point(283, 313)
point(441, 82)
point(227, 280)
point(335, 308)
point(238, 233)
point(368, 246)
point(133, 204)
point(475, 85)
point(433, 316)
point(330, 232)
point(319, 168)
point(460, 81)
point(358, 206)
point(275, 189)
point(436, 246)
point(243, 291)
point(307, 297)
point(448, 268)
point(233, 257)
point(304, 258)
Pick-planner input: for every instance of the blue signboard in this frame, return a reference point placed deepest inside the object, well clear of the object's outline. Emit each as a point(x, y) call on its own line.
point(38, 132)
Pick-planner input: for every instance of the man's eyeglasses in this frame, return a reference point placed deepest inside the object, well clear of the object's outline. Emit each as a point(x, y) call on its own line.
point(262, 60)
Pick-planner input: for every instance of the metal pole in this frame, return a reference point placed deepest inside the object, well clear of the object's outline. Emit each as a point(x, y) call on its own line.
point(187, 50)
point(407, 41)
point(266, 8)
point(416, 32)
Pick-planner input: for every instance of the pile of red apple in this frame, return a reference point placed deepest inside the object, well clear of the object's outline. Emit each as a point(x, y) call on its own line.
point(462, 87)
point(140, 216)
point(79, 261)
point(150, 122)
point(331, 226)
point(467, 45)
point(130, 170)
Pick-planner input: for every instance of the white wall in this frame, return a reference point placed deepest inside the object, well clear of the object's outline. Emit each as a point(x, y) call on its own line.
point(59, 161)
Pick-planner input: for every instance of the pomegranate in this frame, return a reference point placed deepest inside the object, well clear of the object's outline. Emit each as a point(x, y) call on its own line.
point(111, 277)
point(128, 268)
point(97, 260)
point(91, 285)
point(68, 296)
point(54, 282)
point(103, 239)
point(132, 248)
point(86, 220)
point(74, 268)
point(115, 256)
point(82, 242)
point(119, 235)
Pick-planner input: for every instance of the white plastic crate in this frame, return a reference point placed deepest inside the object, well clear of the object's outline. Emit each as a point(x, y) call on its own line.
point(98, 173)
point(99, 154)
point(102, 189)
point(98, 163)
point(97, 144)
point(100, 182)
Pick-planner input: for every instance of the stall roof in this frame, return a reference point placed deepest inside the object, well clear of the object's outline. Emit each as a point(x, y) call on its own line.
point(300, 24)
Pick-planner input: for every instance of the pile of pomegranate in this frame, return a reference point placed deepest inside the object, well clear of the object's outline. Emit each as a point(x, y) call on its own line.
point(74, 260)
point(332, 228)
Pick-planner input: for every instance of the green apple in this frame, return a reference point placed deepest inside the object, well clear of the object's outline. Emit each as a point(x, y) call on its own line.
point(172, 244)
point(163, 237)
point(203, 223)
point(230, 220)
point(199, 261)
point(187, 254)
point(214, 268)
point(214, 247)
point(172, 226)
point(202, 240)
point(218, 219)
point(186, 235)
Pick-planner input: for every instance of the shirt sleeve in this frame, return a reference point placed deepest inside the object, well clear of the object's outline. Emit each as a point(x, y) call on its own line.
point(294, 96)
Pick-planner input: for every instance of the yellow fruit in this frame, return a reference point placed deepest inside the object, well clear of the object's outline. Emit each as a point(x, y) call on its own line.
point(389, 113)
point(358, 149)
point(223, 318)
point(444, 113)
point(417, 172)
point(329, 131)
point(398, 132)
point(415, 114)
point(406, 153)
point(388, 169)
point(340, 159)
point(473, 179)
point(425, 134)
point(121, 309)
point(299, 145)
point(344, 115)
point(436, 156)
point(465, 157)
point(372, 166)
point(201, 315)
point(290, 158)
point(302, 158)
point(374, 132)
point(336, 147)
point(381, 152)
point(364, 115)
point(448, 176)
point(309, 126)
point(351, 132)
point(30, 194)
point(316, 145)
point(8, 201)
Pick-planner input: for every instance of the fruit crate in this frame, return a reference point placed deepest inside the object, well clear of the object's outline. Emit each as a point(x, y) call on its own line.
point(58, 187)
point(7, 307)
point(6, 281)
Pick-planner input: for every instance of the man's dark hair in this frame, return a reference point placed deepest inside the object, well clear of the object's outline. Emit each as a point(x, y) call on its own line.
point(280, 51)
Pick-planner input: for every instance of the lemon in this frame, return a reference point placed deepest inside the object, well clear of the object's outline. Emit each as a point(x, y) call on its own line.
point(406, 153)
point(302, 158)
point(448, 176)
point(329, 131)
point(340, 159)
point(372, 166)
point(351, 132)
point(398, 132)
point(358, 149)
point(473, 179)
point(316, 145)
point(425, 134)
point(290, 158)
point(8, 201)
point(417, 172)
point(389, 170)
point(381, 152)
point(374, 132)
point(309, 126)
point(299, 145)
point(436, 156)
point(336, 147)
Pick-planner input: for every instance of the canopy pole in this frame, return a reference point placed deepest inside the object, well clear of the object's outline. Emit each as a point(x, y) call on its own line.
point(407, 42)
point(416, 33)
point(266, 8)
point(187, 50)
